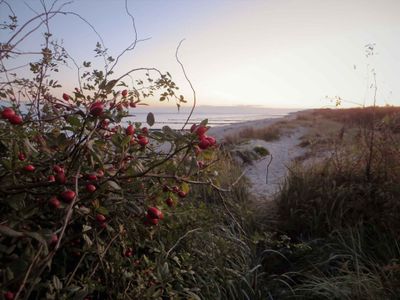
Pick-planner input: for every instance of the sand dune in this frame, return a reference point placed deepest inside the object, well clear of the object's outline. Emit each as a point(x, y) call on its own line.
point(282, 153)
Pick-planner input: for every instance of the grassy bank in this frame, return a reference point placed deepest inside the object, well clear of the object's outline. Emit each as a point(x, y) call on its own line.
point(334, 233)
point(344, 208)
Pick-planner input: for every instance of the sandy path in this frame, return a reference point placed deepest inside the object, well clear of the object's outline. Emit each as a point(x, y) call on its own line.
point(283, 152)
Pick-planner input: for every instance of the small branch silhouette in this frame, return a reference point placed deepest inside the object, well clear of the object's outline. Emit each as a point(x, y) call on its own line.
point(190, 83)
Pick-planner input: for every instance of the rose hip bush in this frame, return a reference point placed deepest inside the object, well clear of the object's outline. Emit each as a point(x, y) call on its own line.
point(83, 191)
point(71, 178)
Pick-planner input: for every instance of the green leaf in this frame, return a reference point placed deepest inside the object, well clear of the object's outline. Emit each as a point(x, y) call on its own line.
point(126, 140)
point(114, 185)
point(6, 164)
point(102, 210)
point(150, 119)
point(57, 283)
point(74, 121)
point(168, 131)
point(185, 187)
point(86, 228)
point(10, 232)
point(87, 240)
point(17, 201)
point(37, 237)
point(116, 140)
point(109, 86)
point(204, 122)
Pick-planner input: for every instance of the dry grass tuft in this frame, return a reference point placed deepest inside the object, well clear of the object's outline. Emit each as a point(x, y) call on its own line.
point(270, 133)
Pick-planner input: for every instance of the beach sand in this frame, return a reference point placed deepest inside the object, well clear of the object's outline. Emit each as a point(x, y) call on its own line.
point(282, 152)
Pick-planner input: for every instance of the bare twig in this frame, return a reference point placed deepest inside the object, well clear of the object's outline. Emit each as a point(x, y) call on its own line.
point(190, 83)
point(180, 239)
point(101, 256)
point(269, 163)
point(76, 268)
point(28, 272)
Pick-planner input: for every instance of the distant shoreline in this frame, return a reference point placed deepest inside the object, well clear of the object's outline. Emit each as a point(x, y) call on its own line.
point(217, 116)
point(221, 131)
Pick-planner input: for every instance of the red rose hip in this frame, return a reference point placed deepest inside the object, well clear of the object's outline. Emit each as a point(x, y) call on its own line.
point(15, 120)
point(58, 169)
point(60, 178)
point(169, 202)
point(143, 141)
point(90, 188)
point(54, 202)
point(145, 130)
point(204, 143)
point(130, 130)
point(155, 213)
point(100, 218)
point(9, 295)
point(68, 196)
point(53, 240)
point(182, 194)
point(201, 130)
point(91, 177)
point(96, 109)
point(7, 113)
point(21, 156)
point(29, 168)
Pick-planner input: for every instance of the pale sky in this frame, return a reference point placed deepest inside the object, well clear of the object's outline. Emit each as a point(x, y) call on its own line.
point(275, 53)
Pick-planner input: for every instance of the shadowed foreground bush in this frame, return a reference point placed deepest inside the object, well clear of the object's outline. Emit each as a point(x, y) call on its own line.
point(201, 250)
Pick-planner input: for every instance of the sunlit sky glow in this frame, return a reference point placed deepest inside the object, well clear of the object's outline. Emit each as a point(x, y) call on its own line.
point(273, 53)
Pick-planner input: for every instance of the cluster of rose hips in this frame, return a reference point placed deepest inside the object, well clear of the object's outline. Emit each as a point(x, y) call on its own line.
point(10, 115)
point(91, 179)
point(96, 109)
point(29, 167)
point(176, 190)
point(142, 138)
point(69, 195)
point(101, 219)
point(204, 141)
point(153, 216)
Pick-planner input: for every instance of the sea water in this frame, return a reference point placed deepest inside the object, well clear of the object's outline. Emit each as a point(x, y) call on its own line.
point(216, 115)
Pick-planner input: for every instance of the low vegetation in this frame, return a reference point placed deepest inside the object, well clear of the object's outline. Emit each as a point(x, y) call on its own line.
point(268, 133)
point(344, 210)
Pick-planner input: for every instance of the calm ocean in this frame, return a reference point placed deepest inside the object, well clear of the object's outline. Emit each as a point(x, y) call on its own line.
point(216, 115)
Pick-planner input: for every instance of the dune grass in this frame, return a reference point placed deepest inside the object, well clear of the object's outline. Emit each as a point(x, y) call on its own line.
point(344, 211)
point(269, 133)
